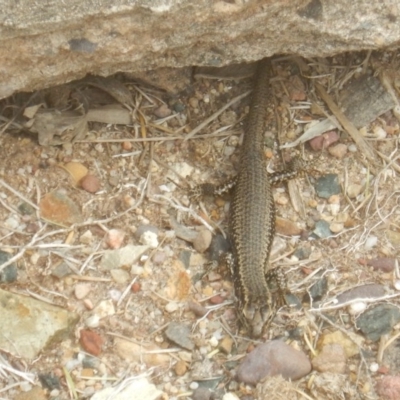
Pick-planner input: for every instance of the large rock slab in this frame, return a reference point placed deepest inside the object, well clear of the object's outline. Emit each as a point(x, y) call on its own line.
point(45, 43)
point(28, 325)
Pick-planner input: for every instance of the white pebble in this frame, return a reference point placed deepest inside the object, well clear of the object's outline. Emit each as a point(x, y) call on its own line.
point(371, 242)
point(150, 239)
point(230, 396)
point(171, 307)
point(213, 341)
point(92, 321)
point(357, 307)
point(193, 386)
point(374, 367)
point(397, 285)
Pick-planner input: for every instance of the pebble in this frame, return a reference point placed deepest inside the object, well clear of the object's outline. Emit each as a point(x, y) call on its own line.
point(318, 289)
point(114, 238)
point(371, 242)
point(338, 151)
point(162, 111)
point(353, 148)
point(383, 264)
point(219, 245)
point(119, 275)
point(91, 342)
point(197, 308)
point(86, 237)
point(324, 141)
point(226, 345)
point(180, 368)
point(201, 393)
point(287, 227)
point(179, 334)
point(81, 290)
point(336, 227)
point(332, 358)
point(353, 190)
point(273, 358)
point(388, 387)
point(90, 183)
point(171, 306)
point(8, 274)
point(337, 337)
point(202, 241)
point(377, 321)
point(105, 308)
point(327, 185)
point(322, 229)
point(230, 396)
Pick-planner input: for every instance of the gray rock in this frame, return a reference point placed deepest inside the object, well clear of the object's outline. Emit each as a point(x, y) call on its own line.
point(327, 185)
point(100, 37)
point(124, 256)
point(378, 321)
point(180, 335)
point(273, 358)
point(28, 325)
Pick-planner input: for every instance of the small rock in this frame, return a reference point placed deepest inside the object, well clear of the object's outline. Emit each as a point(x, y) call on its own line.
point(197, 308)
point(49, 381)
point(327, 185)
point(81, 290)
point(171, 306)
point(219, 245)
point(202, 393)
point(114, 238)
point(119, 275)
point(139, 388)
point(353, 190)
point(8, 274)
point(104, 309)
point(127, 146)
point(120, 257)
point(388, 387)
point(338, 151)
point(136, 286)
point(318, 289)
point(162, 111)
point(149, 239)
point(180, 368)
point(322, 229)
point(91, 342)
point(90, 183)
point(230, 396)
point(180, 335)
point(226, 345)
point(287, 227)
point(273, 358)
point(61, 271)
point(362, 292)
point(93, 321)
point(382, 264)
point(202, 241)
point(36, 393)
point(58, 208)
point(332, 358)
point(336, 227)
point(324, 141)
point(371, 242)
point(378, 321)
point(337, 337)
point(86, 237)
point(218, 299)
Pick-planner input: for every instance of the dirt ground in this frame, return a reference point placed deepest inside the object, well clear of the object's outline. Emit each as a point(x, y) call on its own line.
point(147, 168)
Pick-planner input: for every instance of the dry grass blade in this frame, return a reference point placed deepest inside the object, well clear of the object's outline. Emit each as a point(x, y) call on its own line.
point(216, 115)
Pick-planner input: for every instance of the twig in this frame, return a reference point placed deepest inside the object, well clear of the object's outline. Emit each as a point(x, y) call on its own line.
point(22, 197)
point(216, 115)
